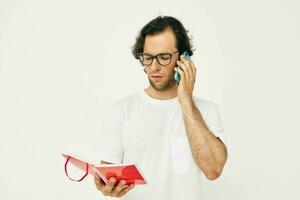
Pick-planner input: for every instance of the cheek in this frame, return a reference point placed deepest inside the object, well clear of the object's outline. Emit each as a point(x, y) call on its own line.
point(173, 63)
point(170, 72)
point(172, 66)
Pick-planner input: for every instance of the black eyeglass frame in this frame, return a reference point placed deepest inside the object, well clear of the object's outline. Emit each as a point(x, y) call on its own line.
point(155, 57)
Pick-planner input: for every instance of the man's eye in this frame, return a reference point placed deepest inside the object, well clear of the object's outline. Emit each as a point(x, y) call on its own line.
point(147, 58)
point(165, 57)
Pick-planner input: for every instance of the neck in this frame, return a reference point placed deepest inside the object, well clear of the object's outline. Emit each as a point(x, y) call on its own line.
point(162, 95)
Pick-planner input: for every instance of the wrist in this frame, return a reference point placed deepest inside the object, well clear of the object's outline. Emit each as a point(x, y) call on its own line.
point(187, 103)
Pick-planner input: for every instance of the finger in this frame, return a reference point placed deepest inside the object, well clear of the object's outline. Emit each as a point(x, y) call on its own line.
point(193, 67)
point(98, 182)
point(124, 191)
point(119, 188)
point(187, 66)
point(109, 186)
point(183, 68)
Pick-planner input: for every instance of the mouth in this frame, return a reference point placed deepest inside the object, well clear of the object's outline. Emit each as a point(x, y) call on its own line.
point(156, 78)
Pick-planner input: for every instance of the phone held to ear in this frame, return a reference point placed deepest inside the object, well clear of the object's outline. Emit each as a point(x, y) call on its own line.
point(177, 75)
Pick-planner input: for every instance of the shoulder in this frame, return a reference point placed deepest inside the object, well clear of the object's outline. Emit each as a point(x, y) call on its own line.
point(125, 101)
point(204, 105)
point(116, 111)
point(122, 105)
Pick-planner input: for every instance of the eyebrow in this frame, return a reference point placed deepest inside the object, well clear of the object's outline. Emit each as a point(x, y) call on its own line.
point(158, 53)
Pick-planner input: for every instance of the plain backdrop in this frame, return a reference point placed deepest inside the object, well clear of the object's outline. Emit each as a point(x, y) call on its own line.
point(63, 61)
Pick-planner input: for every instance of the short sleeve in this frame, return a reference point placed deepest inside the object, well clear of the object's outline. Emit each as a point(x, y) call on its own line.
point(214, 122)
point(109, 144)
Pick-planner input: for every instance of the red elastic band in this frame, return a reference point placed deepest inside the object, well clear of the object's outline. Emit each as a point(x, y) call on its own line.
point(66, 171)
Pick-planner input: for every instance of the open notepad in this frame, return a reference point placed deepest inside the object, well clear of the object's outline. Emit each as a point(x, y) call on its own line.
point(128, 172)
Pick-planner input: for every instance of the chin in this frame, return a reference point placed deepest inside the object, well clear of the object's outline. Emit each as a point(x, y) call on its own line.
point(162, 86)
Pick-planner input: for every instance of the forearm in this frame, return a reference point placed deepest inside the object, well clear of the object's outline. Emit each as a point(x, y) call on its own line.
point(208, 151)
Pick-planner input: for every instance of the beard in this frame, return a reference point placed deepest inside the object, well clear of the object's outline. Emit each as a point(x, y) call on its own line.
point(163, 86)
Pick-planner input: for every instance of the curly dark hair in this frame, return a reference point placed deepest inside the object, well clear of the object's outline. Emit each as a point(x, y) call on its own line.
point(158, 25)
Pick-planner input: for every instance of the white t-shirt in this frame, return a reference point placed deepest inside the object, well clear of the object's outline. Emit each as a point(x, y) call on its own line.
point(151, 132)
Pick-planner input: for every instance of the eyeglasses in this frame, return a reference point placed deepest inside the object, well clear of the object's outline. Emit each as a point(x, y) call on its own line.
point(162, 58)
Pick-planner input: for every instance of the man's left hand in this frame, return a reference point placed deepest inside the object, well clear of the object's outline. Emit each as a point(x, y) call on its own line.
point(187, 71)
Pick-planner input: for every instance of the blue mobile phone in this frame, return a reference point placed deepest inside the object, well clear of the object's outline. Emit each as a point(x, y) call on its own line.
point(177, 75)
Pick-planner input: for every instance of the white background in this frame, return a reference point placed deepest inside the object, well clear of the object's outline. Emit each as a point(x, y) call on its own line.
point(62, 62)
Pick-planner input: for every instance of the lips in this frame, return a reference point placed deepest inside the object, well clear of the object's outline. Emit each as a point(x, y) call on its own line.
point(156, 77)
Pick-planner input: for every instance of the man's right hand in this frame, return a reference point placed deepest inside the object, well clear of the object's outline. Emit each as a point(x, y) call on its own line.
point(110, 189)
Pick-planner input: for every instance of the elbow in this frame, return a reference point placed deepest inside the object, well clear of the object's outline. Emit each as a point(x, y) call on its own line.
point(216, 171)
point(213, 175)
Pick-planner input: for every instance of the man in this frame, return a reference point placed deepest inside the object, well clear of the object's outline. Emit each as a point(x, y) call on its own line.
point(176, 138)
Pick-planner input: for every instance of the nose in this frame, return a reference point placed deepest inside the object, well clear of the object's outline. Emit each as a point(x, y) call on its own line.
point(155, 65)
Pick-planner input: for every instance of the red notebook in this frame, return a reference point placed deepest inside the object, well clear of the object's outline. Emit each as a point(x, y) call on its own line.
point(128, 172)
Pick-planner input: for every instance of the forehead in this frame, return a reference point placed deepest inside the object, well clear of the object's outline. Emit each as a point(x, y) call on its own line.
point(162, 42)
